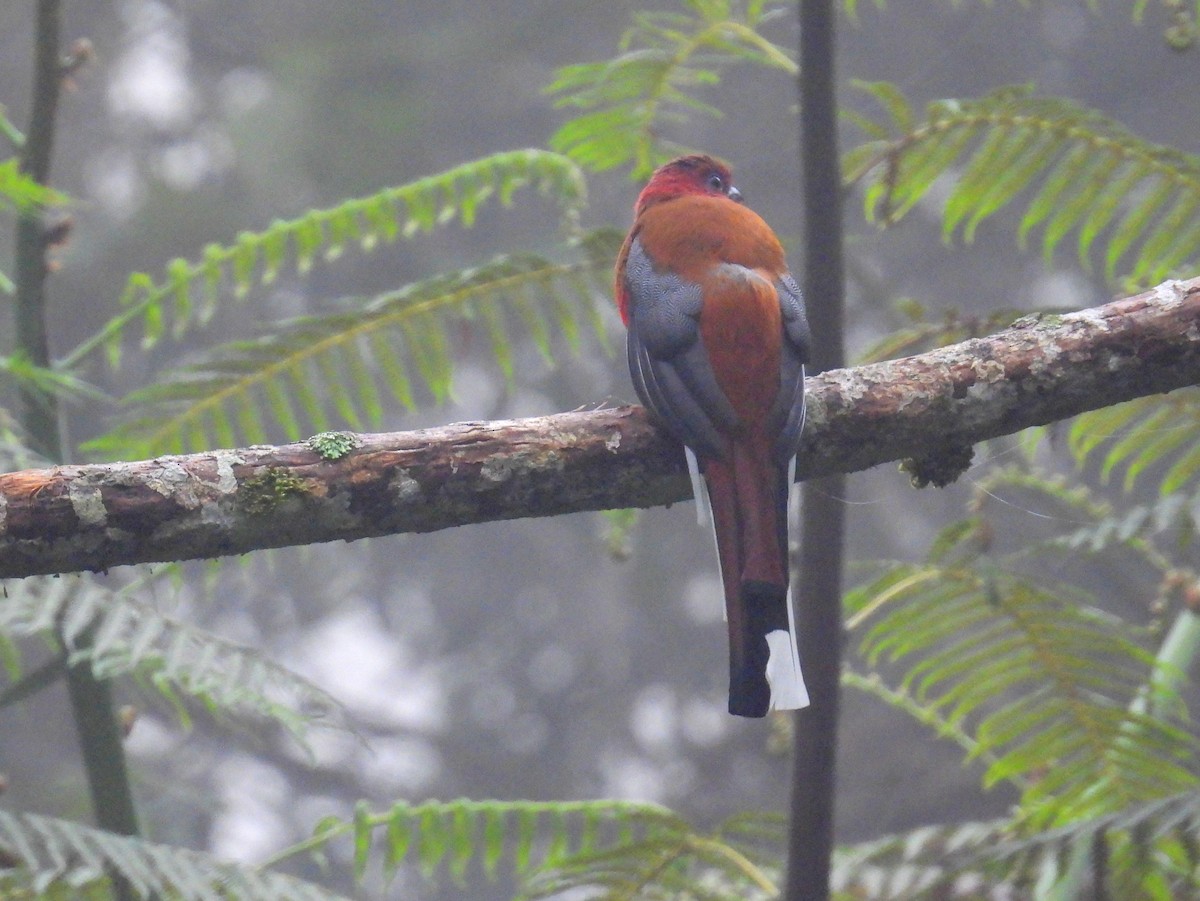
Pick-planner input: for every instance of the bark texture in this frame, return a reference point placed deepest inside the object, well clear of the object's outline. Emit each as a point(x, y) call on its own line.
point(930, 407)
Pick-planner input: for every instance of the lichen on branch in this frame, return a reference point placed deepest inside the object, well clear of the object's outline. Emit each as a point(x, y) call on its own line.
point(923, 407)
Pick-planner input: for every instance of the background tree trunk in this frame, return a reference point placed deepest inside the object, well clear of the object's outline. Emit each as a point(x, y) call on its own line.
point(822, 531)
point(100, 738)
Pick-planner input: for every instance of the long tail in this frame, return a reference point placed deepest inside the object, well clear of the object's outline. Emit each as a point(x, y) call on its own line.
point(749, 495)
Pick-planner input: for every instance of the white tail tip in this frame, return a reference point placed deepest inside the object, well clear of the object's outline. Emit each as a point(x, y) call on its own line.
point(788, 691)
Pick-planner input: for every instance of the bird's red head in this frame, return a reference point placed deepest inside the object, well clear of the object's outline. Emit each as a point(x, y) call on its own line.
point(696, 174)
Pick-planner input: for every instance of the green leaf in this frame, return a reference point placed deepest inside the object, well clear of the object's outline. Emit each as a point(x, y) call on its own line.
point(21, 194)
point(894, 103)
point(1182, 472)
point(432, 844)
point(999, 152)
point(493, 839)
point(47, 382)
point(363, 830)
point(282, 409)
point(1132, 227)
point(399, 837)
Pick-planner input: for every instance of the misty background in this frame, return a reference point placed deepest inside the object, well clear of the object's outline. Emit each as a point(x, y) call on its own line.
point(519, 659)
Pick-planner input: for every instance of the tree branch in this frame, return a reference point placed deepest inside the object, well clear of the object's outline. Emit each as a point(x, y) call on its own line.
point(930, 407)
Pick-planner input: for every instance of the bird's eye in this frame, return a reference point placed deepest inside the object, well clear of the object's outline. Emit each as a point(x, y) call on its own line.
point(716, 183)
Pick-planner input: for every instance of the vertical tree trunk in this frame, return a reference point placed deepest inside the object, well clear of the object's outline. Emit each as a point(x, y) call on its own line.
point(100, 736)
point(819, 591)
point(39, 411)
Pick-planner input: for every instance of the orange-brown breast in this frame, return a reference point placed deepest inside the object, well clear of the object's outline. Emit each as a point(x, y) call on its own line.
point(734, 256)
point(690, 234)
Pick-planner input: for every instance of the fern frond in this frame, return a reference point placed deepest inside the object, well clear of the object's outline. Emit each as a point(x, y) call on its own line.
point(1062, 502)
point(1174, 513)
point(18, 369)
point(173, 658)
point(1083, 172)
point(1149, 849)
point(1149, 853)
point(190, 290)
point(663, 868)
point(664, 59)
point(671, 863)
point(450, 836)
point(927, 715)
point(920, 863)
point(45, 855)
point(1157, 435)
point(1074, 520)
point(1041, 680)
point(318, 369)
point(625, 848)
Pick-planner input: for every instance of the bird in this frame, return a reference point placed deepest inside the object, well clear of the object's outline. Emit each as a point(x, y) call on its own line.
point(717, 339)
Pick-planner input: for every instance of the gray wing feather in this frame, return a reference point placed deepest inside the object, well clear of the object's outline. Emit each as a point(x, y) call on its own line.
point(667, 361)
point(789, 407)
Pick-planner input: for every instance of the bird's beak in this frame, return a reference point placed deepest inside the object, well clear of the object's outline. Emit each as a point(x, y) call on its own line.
point(735, 195)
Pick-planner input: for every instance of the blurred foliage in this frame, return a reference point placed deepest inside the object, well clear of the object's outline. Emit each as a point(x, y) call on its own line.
point(1155, 437)
point(169, 658)
point(1180, 33)
point(304, 372)
point(1029, 668)
point(1077, 708)
point(984, 860)
point(922, 330)
point(664, 59)
point(43, 381)
point(20, 193)
point(57, 859)
point(1030, 677)
point(618, 848)
point(1183, 28)
point(15, 453)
